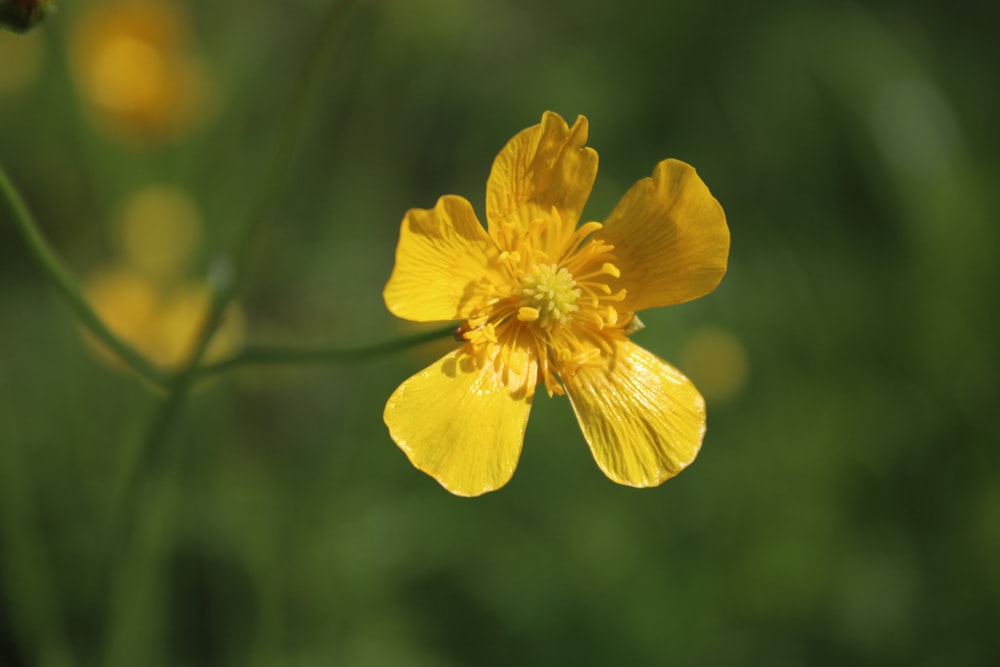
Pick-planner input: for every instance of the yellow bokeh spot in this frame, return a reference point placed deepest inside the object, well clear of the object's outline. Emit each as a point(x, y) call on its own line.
point(161, 228)
point(181, 319)
point(129, 75)
point(126, 301)
point(21, 59)
point(161, 324)
point(716, 360)
point(131, 61)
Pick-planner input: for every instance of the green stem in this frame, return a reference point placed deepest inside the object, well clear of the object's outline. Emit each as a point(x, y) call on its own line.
point(66, 285)
point(259, 355)
point(224, 281)
point(293, 126)
point(28, 572)
point(147, 483)
point(129, 575)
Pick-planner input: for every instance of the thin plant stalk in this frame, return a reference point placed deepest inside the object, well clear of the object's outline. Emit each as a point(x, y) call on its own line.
point(260, 355)
point(66, 285)
point(149, 468)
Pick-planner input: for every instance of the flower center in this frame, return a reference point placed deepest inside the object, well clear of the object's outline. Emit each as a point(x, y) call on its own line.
point(548, 295)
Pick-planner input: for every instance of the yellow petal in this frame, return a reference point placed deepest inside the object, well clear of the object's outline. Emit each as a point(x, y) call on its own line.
point(542, 167)
point(444, 255)
point(457, 422)
point(670, 238)
point(643, 419)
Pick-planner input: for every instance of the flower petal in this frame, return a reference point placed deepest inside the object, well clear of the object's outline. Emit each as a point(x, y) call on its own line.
point(643, 419)
point(443, 254)
point(459, 423)
point(544, 166)
point(670, 238)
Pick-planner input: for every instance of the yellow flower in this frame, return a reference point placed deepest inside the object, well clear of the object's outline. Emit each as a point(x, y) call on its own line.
point(160, 228)
point(146, 298)
point(160, 323)
point(131, 62)
point(545, 302)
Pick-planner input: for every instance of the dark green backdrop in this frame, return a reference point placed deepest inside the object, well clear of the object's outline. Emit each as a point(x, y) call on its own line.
point(845, 508)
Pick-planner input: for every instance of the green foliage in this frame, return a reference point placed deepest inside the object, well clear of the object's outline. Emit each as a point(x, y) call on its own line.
point(845, 508)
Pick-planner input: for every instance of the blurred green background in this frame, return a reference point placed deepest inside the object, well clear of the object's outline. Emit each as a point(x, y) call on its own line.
point(845, 508)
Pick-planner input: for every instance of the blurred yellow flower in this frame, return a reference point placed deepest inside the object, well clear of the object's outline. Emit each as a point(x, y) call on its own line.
point(160, 230)
point(717, 359)
point(146, 297)
point(132, 63)
point(161, 323)
point(545, 302)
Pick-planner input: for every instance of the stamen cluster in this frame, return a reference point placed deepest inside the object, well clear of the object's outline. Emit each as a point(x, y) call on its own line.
point(549, 295)
point(550, 309)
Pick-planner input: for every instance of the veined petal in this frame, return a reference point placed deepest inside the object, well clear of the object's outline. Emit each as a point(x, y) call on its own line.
point(459, 423)
point(643, 419)
point(443, 255)
point(544, 166)
point(670, 238)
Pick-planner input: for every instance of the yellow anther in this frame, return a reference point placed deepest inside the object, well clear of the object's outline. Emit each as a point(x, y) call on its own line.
point(512, 257)
point(527, 314)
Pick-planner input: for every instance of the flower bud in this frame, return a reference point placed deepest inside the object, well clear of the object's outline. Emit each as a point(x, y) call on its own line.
point(22, 15)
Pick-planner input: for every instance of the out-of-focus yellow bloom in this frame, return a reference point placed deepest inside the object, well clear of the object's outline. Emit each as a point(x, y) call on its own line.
point(146, 298)
point(546, 302)
point(22, 57)
point(126, 301)
point(162, 324)
point(717, 360)
point(132, 63)
point(160, 229)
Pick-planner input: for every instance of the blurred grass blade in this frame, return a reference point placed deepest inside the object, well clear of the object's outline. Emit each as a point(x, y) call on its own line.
point(66, 285)
point(27, 579)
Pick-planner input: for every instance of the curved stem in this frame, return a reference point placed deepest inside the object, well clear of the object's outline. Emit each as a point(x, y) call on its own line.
point(229, 275)
point(225, 277)
point(141, 485)
point(66, 285)
point(261, 354)
point(293, 126)
point(28, 574)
